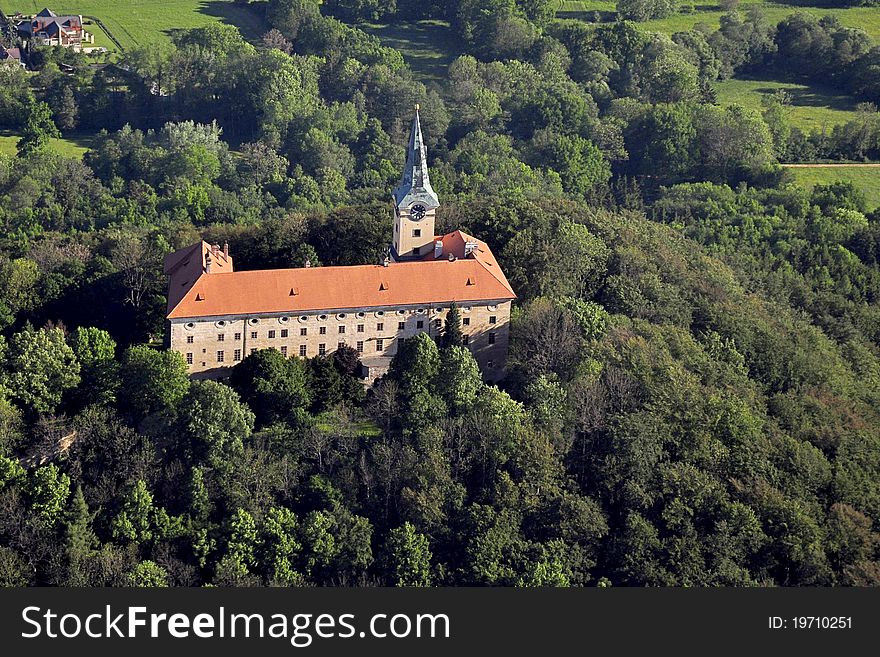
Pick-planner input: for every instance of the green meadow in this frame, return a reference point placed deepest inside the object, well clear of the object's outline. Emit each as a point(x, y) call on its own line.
point(865, 178)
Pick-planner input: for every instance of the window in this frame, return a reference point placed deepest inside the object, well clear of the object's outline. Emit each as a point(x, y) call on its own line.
point(360, 346)
point(322, 349)
point(493, 319)
point(284, 333)
point(220, 356)
point(271, 334)
point(189, 339)
point(465, 339)
point(189, 359)
point(237, 336)
point(302, 350)
point(284, 351)
point(420, 324)
point(360, 328)
point(340, 345)
point(236, 355)
point(437, 323)
point(466, 321)
point(341, 330)
point(401, 326)
point(323, 330)
point(380, 326)
point(253, 335)
point(253, 350)
point(490, 364)
point(380, 345)
point(492, 337)
point(303, 331)
point(221, 337)
point(417, 232)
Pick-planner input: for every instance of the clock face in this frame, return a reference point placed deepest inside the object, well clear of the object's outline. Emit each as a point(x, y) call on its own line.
point(417, 212)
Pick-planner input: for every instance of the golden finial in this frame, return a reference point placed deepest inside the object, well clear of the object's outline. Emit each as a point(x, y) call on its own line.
point(417, 107)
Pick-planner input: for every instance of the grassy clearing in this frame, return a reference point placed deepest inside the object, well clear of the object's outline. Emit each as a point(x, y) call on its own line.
point(812, 106)
point(427, 46)
point(145, 22)
point(865, 178)
point(73, 145)
point(866, 18)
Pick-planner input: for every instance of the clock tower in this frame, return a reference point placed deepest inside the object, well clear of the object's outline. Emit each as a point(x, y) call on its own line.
point(415, 201)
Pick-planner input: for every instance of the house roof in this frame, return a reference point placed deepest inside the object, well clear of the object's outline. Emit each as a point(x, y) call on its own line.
point(47, 13)
point(10, 53)
point(195, 293)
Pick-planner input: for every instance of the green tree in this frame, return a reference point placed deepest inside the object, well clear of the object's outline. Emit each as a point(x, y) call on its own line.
point(40, 368)
point(272, 385)
point(95, 351)
point(48, 491)
point(80, 540)
point(407, 557)
point(148, 574)
point(152, 380)
point(458, 379)
point(38, 130)
point(213, 424)
point(452, 336)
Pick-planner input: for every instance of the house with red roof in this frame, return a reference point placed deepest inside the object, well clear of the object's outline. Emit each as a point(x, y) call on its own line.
point(49, 29)
point(217, 315)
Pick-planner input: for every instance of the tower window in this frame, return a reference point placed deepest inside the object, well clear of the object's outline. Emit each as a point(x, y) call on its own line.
point(417, 232)
point(220, 356)
point(302, 350)
point(492, 337)
point(401, 326)
point(466, 321)
point(380, 344)
point(323, 330)
point(341, 330)
point(283, 333)
point(189, 339)
point(360, 346)
point(493, 319)
point(221, 337)
point(303, 331)
point(465, 339)
point(237, 336)
point(236, 355)
point(322, 349)
point(420, 324)
point(360, 328)
point(271, 334)
point(253, 335)
point(284, 351)
point(380, 326)
point(340, 345)
point(189, 359)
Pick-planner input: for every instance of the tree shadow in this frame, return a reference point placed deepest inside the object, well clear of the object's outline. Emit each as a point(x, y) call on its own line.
point(249, 18)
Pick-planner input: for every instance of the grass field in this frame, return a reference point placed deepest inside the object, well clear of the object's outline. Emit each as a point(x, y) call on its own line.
point(71, 146)
point(865, 178)
point(142, 22)
point(866, 18)
point(812, 106)
point(427, 46)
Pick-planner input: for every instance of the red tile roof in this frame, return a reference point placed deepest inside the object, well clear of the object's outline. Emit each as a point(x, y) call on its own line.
point(194, 293)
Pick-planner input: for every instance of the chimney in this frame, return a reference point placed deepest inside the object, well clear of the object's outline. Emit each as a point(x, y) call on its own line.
point(469, 247)
point(386, 261)
point(226, 250)
point(438, 248)
point(307, 263)
point(208, 262)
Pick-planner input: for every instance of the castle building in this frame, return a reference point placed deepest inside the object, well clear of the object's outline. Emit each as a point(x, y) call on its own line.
point(217, 316)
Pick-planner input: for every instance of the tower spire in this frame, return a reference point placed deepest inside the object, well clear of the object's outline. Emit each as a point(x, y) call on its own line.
point(415, 184)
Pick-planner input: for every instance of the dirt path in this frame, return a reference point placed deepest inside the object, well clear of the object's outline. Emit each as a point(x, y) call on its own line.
point(867, 165)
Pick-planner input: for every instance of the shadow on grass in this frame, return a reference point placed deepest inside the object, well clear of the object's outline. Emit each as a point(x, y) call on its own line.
point(249, 19)
point(429, 47)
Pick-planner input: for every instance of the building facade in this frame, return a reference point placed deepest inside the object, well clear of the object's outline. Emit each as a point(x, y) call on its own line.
point(218, 316)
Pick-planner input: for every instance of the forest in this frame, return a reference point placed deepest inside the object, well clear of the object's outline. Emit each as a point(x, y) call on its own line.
point(692, 395)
